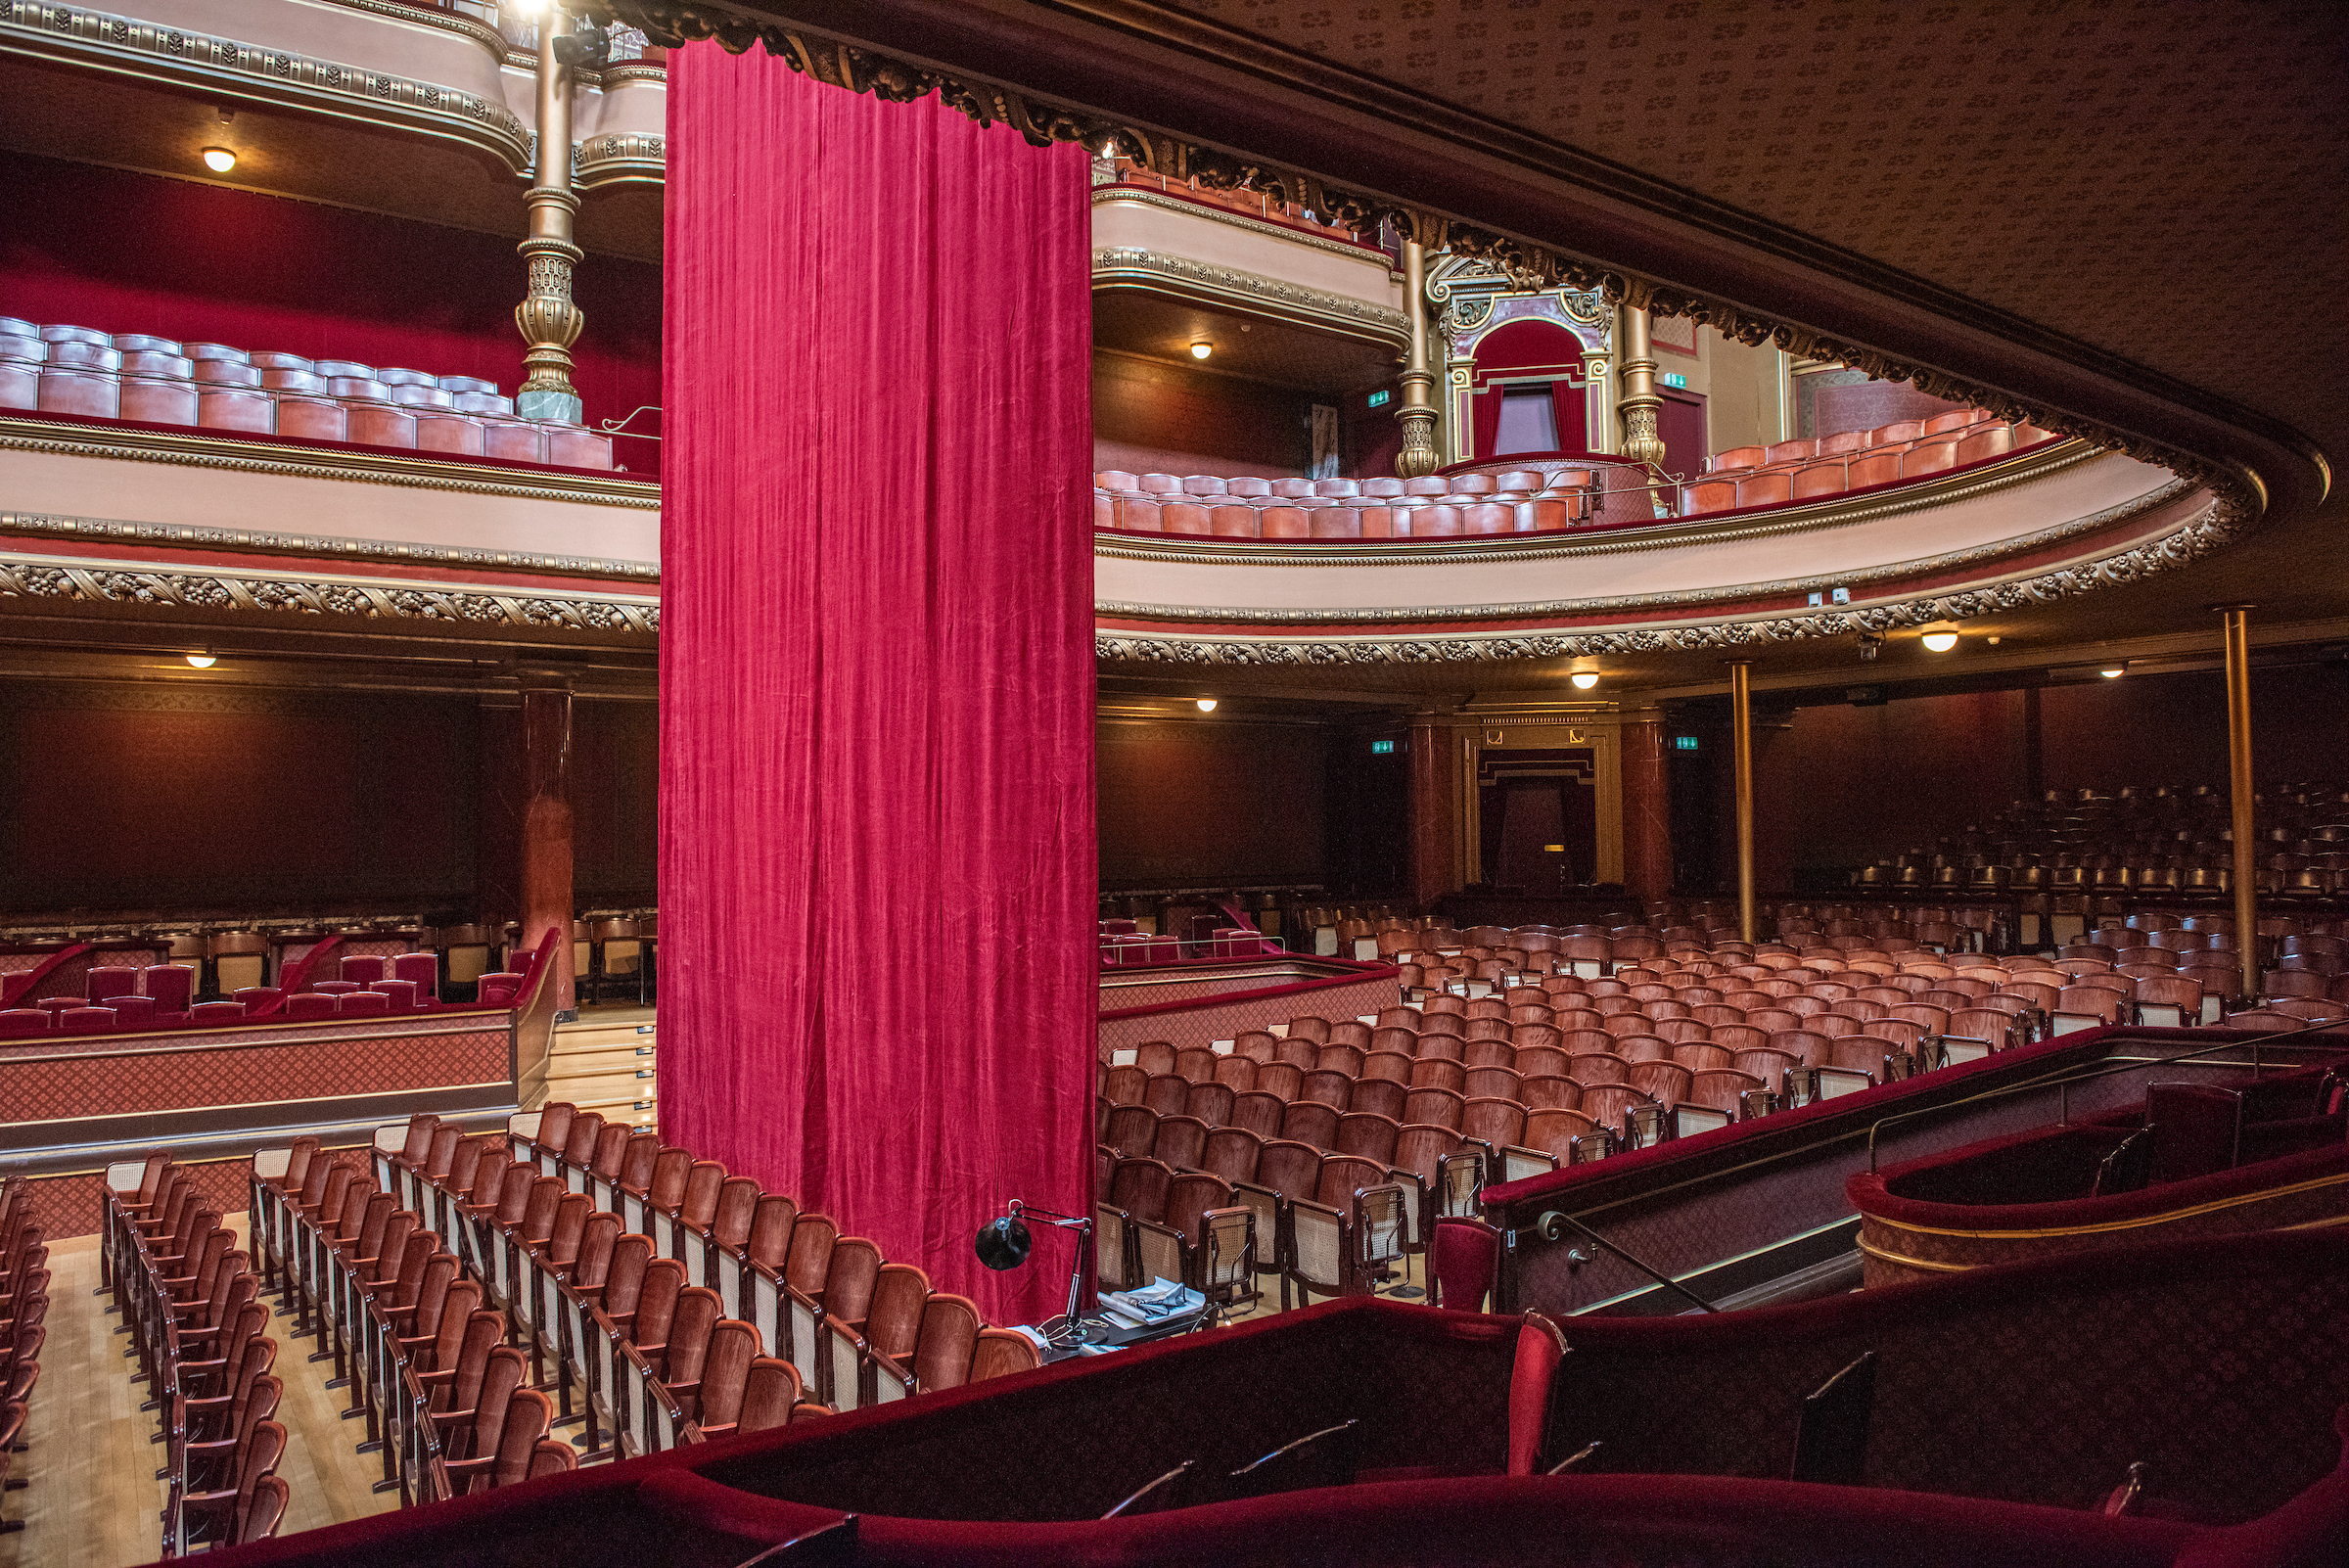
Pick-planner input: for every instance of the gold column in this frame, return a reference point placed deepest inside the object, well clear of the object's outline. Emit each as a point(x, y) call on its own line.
point(548, 319)
point(1741, 742)
point(1636, 407)
point(2238, 784)
point(1417, 409)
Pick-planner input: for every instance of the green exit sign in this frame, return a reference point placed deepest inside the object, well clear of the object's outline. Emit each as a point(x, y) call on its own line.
point(1381, 748)
point(1378, 399)
point(1684, 743)
point(1672, 378)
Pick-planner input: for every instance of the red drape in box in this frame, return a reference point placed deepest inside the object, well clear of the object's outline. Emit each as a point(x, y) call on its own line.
point(877, 851)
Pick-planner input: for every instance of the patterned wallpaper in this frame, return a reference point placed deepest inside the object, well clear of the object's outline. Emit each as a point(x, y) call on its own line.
point(2111, 171)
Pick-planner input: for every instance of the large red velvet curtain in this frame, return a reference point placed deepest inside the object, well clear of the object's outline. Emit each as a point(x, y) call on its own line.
point(877, 851)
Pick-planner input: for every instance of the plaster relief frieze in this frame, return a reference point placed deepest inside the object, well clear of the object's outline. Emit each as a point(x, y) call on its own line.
point(181, 58)
point(1273, 297)
point(2203, 531)
point(619, 160)
point(172, 586)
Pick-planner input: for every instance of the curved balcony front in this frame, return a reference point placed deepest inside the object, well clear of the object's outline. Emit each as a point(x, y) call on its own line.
point(1538, 558)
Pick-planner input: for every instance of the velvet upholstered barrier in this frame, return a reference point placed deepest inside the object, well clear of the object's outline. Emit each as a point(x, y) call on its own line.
point(877, 853)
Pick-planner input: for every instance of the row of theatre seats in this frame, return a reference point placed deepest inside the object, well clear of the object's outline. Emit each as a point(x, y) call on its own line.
point(1528, 501)
point(1851, 460)
point(1125, 945)
point(86, 373)
point(190, 1301)
point(2161, 840)
point(635, 1291)
point(124, 999)
point(24, 1324)
point(1413, 1111)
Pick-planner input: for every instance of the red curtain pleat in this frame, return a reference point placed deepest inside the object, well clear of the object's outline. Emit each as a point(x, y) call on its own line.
point(877, 842)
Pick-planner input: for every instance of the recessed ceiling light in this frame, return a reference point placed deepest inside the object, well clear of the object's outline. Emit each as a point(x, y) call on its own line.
point(219, 160)
point(2113, 672)
point(1200, 351)
point(203, 659)
point(1940, 642)
point(1206, 705)
point(1584, 679)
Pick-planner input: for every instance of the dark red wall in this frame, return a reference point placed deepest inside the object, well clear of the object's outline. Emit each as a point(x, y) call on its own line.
point(614, 795)
point(1210, 803)
point(1839, 786)
point(91, 247)
point(174, 797)
point(1172, 410)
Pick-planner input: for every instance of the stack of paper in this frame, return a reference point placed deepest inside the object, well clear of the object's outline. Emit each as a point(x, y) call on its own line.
point(1156, 1303)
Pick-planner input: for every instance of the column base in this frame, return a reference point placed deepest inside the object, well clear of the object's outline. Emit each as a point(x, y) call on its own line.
point(565, 408)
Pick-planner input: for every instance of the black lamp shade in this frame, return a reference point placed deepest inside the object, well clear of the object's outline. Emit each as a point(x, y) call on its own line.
point(1003, 1243)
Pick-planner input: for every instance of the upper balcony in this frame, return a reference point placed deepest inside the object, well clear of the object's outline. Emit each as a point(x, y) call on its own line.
point(419, 109)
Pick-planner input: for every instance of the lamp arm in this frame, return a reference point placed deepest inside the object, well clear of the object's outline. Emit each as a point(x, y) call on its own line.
point(1065, 1221)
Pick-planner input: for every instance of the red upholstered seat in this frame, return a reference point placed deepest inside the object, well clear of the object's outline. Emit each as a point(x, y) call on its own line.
point(111, 982)
point(362, 1003)
point(312, 419)
point(86, 1021)
point(19, 1023)
point(1185, 517)
point(1930, 457)
point(1541, 1347)
point(308, 1004)
point(1818, 478)
point(1160, 484)
point(1462, 1259)
point(252, 998)
point(1765, 490)
point(499, 987)
point(363, 969)
point(240, 408)
point(132, 1012)
point(401, 992)
point(420, 969)
point(335, 988)
point(214, 1014)
point(1875, 468)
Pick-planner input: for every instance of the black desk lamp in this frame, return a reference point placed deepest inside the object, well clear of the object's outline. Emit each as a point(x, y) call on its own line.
point(1006, 1244)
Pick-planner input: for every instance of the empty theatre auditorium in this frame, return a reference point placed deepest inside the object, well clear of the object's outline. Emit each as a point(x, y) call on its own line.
point(1174, 783)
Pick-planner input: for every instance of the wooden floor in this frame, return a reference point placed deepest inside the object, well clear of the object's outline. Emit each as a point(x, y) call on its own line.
point(93, 1501)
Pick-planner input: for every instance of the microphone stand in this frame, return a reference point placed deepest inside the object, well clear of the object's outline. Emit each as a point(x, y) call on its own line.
point(1071, 1330)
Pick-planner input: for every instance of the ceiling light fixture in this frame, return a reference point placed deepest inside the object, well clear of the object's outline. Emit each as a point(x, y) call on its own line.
point(1201, 349)
point(203, 659)
point(2113, 672)
point(219, 160)
point(1206, 705)
point(1584, 679)
point(1940, 642)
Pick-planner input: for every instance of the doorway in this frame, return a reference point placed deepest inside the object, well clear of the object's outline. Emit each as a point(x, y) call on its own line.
point(1537, 814)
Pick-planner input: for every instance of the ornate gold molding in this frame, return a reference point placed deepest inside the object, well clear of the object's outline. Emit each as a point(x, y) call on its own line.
point(1205, 282)
point(619, 158)
point(149, 584)
point(1529, 266)
point(2206, 530)
point(112, 531)
point(183, 60)
point(230, 454)
point(1350, 249)
point(1664, 533)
